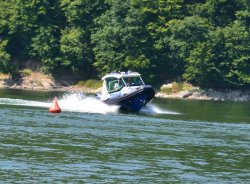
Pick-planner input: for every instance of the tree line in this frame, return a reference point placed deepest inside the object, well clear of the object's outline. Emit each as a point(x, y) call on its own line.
point(205, 42)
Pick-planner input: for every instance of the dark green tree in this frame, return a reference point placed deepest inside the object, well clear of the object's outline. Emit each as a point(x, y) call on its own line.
point(180, 37)
point(223, 60)
point(45, 47)
point(160, 15)
point(4, 57)
point(120, 38)
point(75, 51)
point(218, 12)
point(75, 42)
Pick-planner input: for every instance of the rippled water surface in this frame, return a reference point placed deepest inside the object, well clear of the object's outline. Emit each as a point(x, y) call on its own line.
point(170, 141)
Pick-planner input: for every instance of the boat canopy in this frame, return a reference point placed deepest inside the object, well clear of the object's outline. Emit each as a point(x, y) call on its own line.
point(122, 74)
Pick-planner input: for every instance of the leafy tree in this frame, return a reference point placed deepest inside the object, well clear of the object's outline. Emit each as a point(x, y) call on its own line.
point(74, 49)
point(4, 57)
point(218, 12)
point(45, 46)
point(160, 15)
point(203, 65)
point(180, 38)
point(82, 13)
point(76, 46)
point(25, 26)
point(120, 39)
point(223, 60)
point(238, 51)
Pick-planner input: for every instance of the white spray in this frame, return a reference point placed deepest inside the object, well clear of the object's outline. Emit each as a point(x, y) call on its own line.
point(79, 102)
point(82, 103)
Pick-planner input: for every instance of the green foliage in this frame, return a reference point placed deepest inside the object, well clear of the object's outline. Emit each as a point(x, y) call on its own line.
point(120, 43)
point(75, 41)
point(201, 67)
point(237, 47)
point(166, 91)
point(176, 87)
point(218, 12)
point(4, 57)
point(26, 72)
point(73, 48)
point(45, 46)
point(91, 83)
point(182, 37)
point(223, 60)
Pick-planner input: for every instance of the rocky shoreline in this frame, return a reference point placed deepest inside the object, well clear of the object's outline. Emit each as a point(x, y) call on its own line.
point(210, 94)
point(197, 93)
point(40, 82)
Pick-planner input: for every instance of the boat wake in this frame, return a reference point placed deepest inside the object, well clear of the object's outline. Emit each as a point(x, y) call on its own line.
point(153, 109)
point(79, 102)
point(82, 103)
point(21, 102)
point(74, 102)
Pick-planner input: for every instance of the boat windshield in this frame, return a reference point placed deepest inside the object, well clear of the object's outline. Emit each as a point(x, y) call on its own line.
point(133, 81)
point(114, 84)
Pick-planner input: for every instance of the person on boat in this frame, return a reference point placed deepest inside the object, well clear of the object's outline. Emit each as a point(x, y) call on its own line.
point(127, 81)
point(116, 86)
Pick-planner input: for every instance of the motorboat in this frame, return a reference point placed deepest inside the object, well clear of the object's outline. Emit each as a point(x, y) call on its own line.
point(127, 90)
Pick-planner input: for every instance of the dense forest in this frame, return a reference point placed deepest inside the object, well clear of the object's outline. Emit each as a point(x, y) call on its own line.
point(205, 42)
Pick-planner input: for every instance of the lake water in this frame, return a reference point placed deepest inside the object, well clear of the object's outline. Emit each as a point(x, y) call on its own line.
point(169, 141)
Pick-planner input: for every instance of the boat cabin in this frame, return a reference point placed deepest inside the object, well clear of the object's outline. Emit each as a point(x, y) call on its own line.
point(115, 82)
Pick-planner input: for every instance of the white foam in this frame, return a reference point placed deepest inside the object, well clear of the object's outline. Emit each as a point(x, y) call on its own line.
point(77, 102)
point(21, 102)
point(153, 109)
point(82, 103)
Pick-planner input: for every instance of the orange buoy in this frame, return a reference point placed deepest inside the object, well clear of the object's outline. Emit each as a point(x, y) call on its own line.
point(55, 107)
